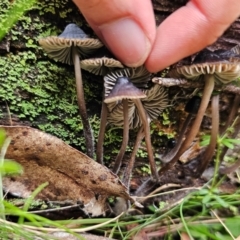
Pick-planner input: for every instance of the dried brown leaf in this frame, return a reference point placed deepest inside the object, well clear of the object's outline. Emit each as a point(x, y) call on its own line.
point(71, 174)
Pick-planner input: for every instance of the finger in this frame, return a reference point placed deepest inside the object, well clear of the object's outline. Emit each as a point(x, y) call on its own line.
point(190, 29)
point(127, 27)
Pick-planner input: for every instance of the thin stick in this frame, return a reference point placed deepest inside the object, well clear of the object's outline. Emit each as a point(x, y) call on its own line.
point(180, 82)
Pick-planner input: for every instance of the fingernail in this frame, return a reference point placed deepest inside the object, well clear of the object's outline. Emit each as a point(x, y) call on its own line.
point(127, 41)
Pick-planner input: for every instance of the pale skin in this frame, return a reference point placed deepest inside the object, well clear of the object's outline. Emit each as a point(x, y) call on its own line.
point(128, 28)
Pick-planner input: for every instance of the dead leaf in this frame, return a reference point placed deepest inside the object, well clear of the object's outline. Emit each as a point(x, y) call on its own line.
point(71, 174)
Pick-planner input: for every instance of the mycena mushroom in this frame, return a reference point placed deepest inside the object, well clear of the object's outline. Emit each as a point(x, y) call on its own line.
point(123, 91)
point(155, 101)
point(67, 48)
point(209, 67)
point(102, 63)
point(138, 76)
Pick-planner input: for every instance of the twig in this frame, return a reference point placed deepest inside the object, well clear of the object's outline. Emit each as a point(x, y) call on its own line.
point(223, 224)
point(180, 82)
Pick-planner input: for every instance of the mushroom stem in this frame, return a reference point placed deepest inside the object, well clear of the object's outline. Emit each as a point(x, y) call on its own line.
point(129, 168)
point(122, 150)
point(145, 123)
point(81, 104)
point(208, 88)
point(232, 114)
point(170, 155)
point(103, 123)
point(208, 154)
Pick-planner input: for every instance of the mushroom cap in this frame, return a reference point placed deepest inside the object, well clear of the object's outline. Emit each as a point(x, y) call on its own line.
point(100, 66)
point(224, 65)
point(124, 89)
point(60, 47)
point(73, 31)
point(154, 103)
point(138, 76)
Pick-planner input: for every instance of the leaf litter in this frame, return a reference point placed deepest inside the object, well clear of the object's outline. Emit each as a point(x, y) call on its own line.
point(71, 175)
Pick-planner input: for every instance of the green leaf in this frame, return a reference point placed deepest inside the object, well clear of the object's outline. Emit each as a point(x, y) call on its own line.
point(226, 143)
point(10, 167)
point(206, 199)
point(233, 224)
point(205, 140)
point(19, 7)
point(221, 201)
point(234, 141)
point(2, 137)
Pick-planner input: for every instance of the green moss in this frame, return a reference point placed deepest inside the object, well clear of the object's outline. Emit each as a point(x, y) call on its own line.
point(38, 90)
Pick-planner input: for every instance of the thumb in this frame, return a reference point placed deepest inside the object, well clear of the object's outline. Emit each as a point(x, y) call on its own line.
point(127, 27)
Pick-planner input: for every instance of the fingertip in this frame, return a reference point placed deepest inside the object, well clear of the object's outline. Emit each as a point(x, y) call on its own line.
point(127, 41)
point(126, 27)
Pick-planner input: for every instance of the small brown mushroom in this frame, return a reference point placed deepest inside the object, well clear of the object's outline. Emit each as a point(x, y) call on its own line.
point(210, 67)
point(156, 100)
point(153, 105)
point(100, 66)
point(138, 76)
point(122, 91)
point(67, 48)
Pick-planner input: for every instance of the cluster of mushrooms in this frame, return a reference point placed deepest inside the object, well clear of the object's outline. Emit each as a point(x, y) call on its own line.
point(129, 102)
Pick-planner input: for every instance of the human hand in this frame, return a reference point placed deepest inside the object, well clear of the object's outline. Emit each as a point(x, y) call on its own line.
point(128, 29)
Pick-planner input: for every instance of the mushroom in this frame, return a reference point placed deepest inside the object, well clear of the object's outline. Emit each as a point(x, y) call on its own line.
point(139, 76)
point(123, 90)
point(154, 103)
point(156, 100)
point(102, 63)
point(209, 66)
point(67, 48)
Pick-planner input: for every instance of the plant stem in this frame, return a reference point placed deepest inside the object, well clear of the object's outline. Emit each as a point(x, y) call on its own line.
point(216, 169)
